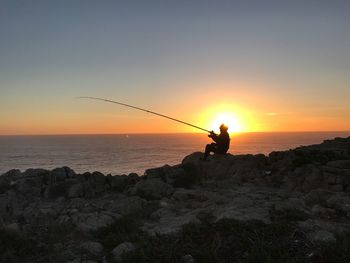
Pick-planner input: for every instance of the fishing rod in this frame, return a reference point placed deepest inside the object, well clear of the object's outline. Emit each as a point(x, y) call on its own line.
point(148, 111)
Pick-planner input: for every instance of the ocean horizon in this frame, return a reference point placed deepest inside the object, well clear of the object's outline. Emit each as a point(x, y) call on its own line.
point(118, 154)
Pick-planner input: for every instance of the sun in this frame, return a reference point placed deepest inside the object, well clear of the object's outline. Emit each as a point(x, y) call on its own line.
point(238, 119)
point(229, 119)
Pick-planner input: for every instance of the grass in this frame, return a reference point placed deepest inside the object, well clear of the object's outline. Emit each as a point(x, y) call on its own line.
point(225, 241)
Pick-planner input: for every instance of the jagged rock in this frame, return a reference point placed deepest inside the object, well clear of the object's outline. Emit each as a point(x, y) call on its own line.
point(183, 194)
point(318, 210)
point(159, 172)
point(341, 164)
point(13, 227)
point(317, 196)
point(323, 236)
point(340, 202)
point(133, 178)
point(152, 189)
point(35, 172)
point(187, 259)
point(59, 174)
point(242, 168)
point(57, 190)
point(122, 249)
point(92, 248)
point(118, 183)
point(7, 179)
point(132, 205)
point(290, 204)
point(76, 190)
point(98, 182)
point(92, 221)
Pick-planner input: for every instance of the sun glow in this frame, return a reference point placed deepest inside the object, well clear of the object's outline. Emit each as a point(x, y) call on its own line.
point(236, 118)
point(227, 118)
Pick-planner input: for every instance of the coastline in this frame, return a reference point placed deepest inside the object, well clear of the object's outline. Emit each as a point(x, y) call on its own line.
point(61, 216)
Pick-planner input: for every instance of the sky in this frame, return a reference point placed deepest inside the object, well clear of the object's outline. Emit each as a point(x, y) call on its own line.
point(257, 65)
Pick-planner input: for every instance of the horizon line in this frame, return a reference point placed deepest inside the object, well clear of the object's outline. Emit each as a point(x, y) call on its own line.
point(166, 133)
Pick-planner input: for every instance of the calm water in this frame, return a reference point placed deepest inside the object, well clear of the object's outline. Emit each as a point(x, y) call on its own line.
point(122, 154)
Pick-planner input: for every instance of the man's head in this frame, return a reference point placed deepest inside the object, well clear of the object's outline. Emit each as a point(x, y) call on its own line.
point(223, 128)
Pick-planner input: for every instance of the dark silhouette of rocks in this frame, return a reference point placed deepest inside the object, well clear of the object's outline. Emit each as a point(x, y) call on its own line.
point(308, 187)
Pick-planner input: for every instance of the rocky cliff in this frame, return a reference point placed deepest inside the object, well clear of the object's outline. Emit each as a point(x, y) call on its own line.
point(230, 208)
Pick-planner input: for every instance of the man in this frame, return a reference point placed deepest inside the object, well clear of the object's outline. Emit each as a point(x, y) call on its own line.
point(222, 142)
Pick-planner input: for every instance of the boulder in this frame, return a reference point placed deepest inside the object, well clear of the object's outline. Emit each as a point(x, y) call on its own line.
point(243, 168)
point(132, 205)
point(187, 259)
point(322, 236)
point(317, 196)
point(76, 190)
point(340, 202)
point(121, 249)
point(59, 174)
point(92, 221)
point(92, 248)
point(340, 164)
point(118, 182)
point(98, 182)
point(152, 189)
point(35, 172)
point(159, 172)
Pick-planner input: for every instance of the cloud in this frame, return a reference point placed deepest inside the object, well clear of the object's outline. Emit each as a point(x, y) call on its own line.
point(274, 114)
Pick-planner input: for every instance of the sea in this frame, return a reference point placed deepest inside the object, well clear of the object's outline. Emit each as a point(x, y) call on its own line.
point(126, 153)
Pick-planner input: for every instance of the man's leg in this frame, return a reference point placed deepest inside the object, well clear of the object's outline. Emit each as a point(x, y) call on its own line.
point(208, 149)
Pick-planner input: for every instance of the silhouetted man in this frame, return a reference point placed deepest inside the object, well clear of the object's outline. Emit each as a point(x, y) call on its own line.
point(222, 142)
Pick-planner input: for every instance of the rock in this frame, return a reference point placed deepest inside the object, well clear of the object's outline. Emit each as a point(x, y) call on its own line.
point(340, 202)
point(7, 178)
point(122, 249)
point(76, 190)
point(28, 186)
point(319, 210)
point(57, 190)
point(92, 248)
point(185, 176)
point(206, 216)
point(290, 204)
point(341, 164)
point(133, 178)
point(125, 206)
point(35, 172)
point(242, 168)
point(317, 196)
point(187, 259)
point(292, 209)
point(323, 236)
point(98, 182)
point(92, 221)
point(152, 189)
point(13, 227)
point(159, 172)
point(183, 194)
point(59, 174)
point(118, 182)
point(336, 187)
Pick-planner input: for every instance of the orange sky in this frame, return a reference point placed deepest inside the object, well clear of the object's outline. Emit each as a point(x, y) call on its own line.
point(262, 66)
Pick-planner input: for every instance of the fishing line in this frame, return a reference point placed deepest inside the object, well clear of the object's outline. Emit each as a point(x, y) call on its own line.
point(148, 111)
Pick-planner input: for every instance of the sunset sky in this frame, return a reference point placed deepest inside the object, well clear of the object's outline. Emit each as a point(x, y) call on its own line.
point(260, 65)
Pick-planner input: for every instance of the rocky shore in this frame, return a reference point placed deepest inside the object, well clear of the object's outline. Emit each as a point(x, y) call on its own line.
point(290, 206)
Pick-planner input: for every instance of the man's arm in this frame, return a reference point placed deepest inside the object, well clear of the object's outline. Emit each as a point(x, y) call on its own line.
point(213, 135)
